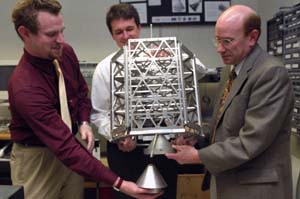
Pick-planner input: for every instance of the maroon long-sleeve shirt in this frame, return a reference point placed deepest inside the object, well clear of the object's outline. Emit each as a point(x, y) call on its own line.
point(35, 110)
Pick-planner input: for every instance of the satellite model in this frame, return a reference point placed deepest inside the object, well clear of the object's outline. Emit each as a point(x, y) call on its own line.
point(154, 91)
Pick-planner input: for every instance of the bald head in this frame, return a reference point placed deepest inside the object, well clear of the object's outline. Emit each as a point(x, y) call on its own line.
point(236, 33)
point(236, 11)
point(242, 16)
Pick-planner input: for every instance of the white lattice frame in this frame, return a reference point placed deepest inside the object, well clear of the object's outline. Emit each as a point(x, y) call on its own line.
point(160, 94)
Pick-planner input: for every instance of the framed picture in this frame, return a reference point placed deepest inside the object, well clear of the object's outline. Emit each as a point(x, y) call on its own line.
point(179, 11)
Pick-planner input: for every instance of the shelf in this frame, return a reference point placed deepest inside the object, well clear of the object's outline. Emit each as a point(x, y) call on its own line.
point(5, 136)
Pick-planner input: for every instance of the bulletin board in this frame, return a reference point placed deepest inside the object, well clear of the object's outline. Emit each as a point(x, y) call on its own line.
point(178, 11)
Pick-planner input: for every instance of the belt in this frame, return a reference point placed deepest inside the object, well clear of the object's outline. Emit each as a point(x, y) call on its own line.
point(26, 144)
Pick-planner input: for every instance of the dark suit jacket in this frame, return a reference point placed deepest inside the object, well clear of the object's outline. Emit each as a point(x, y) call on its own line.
point(251, 155)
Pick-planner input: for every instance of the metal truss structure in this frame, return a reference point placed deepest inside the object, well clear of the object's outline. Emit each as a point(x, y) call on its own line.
point(154, 88)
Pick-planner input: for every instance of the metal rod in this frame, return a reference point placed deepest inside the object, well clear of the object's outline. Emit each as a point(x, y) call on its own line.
point(153, 147)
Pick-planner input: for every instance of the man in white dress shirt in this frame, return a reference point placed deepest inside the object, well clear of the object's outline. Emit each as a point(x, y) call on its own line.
point(125, 157)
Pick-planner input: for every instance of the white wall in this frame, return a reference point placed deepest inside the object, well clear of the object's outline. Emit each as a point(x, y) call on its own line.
point(10, 46)
point(88, 34)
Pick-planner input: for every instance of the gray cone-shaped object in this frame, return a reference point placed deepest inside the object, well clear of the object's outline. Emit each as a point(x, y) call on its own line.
point(151, 179)
point(159, 146)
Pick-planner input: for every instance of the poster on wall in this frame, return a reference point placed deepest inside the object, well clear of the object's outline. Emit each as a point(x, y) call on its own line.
point(178, 11)
point(213, 9)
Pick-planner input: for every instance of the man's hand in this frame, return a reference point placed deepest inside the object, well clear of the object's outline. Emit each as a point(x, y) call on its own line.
point(87, 135)
point(133, 190)
point(185, 140)
point(184, 155)
point(127, 144)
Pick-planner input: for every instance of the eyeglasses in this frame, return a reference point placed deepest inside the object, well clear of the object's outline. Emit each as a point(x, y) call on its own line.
point(225, 42)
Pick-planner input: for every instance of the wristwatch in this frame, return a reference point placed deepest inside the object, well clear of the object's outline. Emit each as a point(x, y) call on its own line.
point(118, 185)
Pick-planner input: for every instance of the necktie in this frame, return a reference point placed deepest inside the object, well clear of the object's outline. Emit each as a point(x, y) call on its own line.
point(226, 91)
point(64, 110)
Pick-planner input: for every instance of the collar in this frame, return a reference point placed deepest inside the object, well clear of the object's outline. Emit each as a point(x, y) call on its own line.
point(238, 67)
point(42, 64)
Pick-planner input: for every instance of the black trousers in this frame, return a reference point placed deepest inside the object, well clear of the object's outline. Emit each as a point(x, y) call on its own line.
point(130, 166)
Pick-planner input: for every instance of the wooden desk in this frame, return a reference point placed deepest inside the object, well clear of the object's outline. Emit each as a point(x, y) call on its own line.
point(189, 187)
point(5, 136)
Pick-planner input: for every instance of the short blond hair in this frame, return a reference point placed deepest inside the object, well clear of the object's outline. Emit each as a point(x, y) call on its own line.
point(25, 12)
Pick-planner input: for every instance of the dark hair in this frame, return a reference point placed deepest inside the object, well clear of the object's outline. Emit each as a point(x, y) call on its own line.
point(121, 11)
point(252, 22)
point(25, 12)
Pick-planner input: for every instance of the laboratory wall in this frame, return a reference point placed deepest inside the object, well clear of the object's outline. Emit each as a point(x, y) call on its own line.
point(87, 32)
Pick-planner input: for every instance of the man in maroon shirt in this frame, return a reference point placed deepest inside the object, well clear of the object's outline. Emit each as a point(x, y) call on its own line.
point(45, 153)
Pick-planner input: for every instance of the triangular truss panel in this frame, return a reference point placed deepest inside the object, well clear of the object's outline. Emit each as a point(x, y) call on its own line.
point(155, 87)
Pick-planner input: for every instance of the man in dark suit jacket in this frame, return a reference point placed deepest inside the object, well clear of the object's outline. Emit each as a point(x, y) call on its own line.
point(249, 155)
